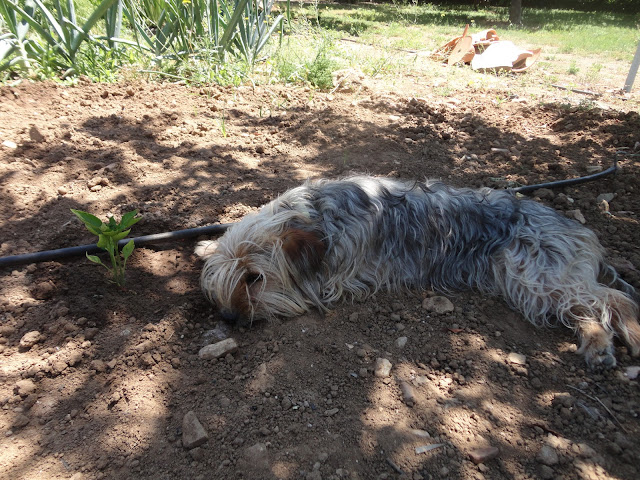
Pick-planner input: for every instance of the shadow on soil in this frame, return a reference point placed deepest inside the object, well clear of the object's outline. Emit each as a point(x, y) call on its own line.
point(123, 400)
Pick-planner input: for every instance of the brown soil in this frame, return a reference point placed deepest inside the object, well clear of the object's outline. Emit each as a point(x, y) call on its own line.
point(103, 391)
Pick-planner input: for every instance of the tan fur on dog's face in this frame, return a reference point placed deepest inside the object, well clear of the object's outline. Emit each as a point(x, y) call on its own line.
point(256, 279)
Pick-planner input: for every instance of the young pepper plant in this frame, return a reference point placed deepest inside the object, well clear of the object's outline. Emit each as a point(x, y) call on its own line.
point(109, 234)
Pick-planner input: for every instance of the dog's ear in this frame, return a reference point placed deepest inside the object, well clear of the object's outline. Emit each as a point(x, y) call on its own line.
point(206, 248)
point(305, 249)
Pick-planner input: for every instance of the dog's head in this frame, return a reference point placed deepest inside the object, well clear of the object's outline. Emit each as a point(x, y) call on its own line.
point(262, 266)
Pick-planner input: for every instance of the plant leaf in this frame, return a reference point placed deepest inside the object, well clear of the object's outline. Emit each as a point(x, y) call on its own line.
point(95, 259)
point(127, 250)
point(53, 23)
point(230, 28)
point(36, 26)
point(128, 219)
point(96, 16)
point(105, 242)
point(119, 236)
point(92, 222)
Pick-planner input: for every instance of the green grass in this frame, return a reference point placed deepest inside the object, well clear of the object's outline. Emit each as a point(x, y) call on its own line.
point(573, 68)
point(574, 43)
point(429, 26)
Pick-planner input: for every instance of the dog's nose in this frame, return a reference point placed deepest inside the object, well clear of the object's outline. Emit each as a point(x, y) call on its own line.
point(229, 315)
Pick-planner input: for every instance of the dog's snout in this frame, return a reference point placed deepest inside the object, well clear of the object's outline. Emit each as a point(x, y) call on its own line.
point(229, 315)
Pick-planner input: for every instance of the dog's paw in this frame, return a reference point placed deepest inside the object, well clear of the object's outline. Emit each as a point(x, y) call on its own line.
point(600, 358)
point(598, 352)
point(596, 345)
point(206, 248)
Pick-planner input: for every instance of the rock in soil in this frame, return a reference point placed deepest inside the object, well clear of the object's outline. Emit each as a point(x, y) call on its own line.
point(517, 358)
point(438, 305)
point(382, 368)
point(217, 350)
point(547, 456)
point(408, 395)
point(483, 455)
point(193, 433)
point(29, 339)
point(25, 387)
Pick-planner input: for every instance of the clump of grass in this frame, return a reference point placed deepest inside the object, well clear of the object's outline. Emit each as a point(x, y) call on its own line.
point(313, 63)
point(573, 68)
point(320, 69)
point(594, 72)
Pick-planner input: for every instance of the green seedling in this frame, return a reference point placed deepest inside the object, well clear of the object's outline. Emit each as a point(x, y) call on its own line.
point(109, 234)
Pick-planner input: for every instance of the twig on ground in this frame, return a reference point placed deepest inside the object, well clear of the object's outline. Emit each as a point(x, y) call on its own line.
point(583, 92)
point(406, 50)
point(395, 467)
point(545, 428)
point(603, 406)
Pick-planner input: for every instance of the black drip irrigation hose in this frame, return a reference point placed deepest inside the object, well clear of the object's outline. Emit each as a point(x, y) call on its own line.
point(571, 181)
point(51, 255)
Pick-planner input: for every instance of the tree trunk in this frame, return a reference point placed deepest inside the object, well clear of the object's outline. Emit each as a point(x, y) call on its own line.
point(515, 12)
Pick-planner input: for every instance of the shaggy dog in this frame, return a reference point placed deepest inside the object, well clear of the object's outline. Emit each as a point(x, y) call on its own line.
point(328, 239)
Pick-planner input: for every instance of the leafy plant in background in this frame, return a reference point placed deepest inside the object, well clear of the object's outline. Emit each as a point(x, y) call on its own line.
point(179, 28)
point(113, 23)
point(319, 70)
point(165, 28)
point(50, 38)
point(15, 40)
point(59, 31)
point(109, 234)
point(254, 28)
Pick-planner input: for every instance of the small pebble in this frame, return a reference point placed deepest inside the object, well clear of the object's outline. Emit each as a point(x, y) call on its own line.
point(401, 342)
point(483, 455)
point(20, 421)
point(606, 197)
point(632, 372)
point(217, 350)
point(546, 472)
point(408, 394)
point(427, 448)
point(439, 305)
point(547, 456)
point(382, 368)
point(517, 358)
point(193, 433)
point(35, 135)
point(29, 339)
point(24, 387)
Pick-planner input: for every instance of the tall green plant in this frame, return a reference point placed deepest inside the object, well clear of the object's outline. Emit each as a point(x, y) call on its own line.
point(166, 28)
point(113, 23)
point(58, 30)
point(51, 37)
point(15, 48)
point(255, 27)
point(178, 28)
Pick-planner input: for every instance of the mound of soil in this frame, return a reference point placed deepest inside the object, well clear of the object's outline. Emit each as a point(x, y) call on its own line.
point(98, 382)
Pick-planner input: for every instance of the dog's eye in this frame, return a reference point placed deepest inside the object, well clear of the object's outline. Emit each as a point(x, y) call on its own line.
point(252, 278)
